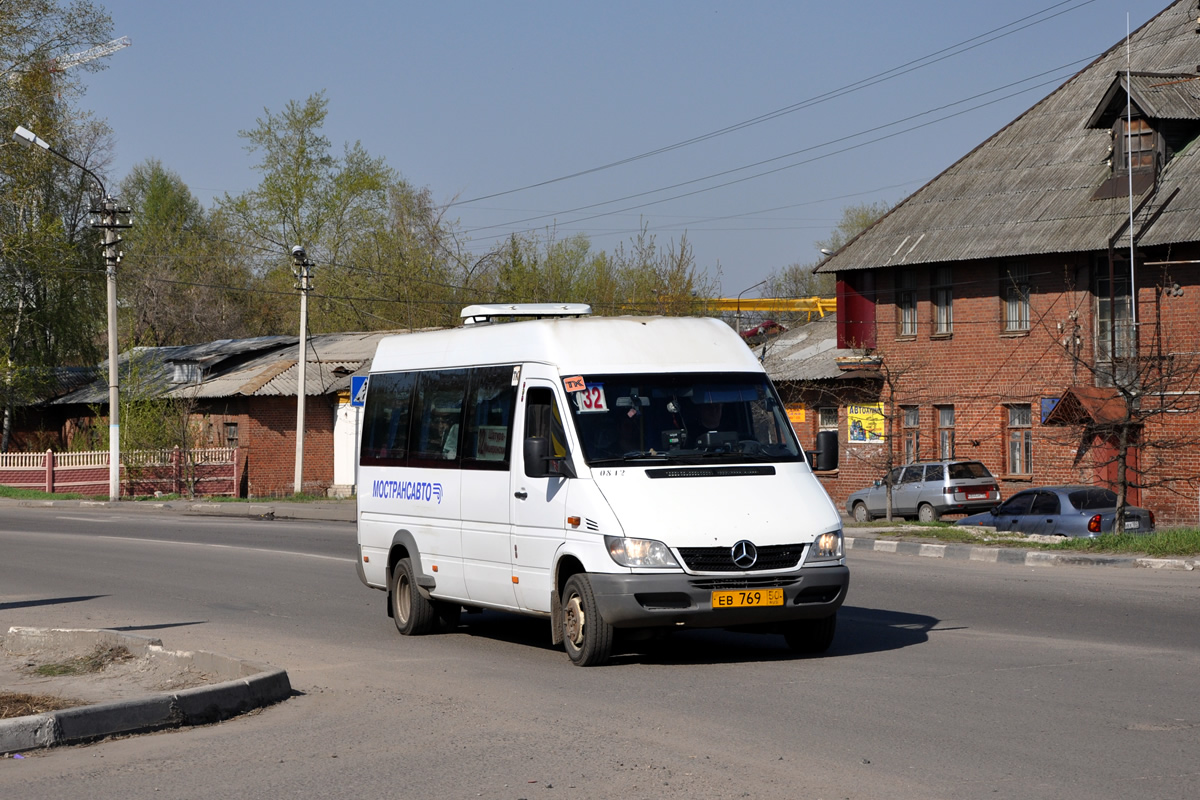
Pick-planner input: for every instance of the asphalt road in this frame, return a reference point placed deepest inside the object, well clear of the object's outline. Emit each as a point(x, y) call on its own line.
point(947, 679)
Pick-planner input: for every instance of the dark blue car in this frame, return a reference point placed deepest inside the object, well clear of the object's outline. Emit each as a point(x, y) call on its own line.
point(1086, 511)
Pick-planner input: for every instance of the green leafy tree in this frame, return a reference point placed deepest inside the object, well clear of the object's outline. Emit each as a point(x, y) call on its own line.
point(51, 273)
point(182, 282)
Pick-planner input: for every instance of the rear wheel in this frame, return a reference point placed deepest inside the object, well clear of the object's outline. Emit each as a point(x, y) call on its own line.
point(588, 638)
point(413, 612)
point(811, 636)
point(927, 513)
point(860, 513)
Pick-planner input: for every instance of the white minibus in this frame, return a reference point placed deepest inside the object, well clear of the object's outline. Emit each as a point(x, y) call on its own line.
point(615, 476)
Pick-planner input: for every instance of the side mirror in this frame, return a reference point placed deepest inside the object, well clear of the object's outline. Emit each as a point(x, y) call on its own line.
point(994, 511)
point(826, 455)
point(540, 464)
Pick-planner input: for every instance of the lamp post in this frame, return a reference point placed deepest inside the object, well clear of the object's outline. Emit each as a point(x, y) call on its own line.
point(739, 304)
point(303, 271)
point(109, 217)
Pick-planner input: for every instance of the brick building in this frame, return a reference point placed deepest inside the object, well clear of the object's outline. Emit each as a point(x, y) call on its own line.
point(236, 393)
point(1036, 305)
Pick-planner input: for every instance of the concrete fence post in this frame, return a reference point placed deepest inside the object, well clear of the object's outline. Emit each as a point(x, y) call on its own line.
point(49, 472)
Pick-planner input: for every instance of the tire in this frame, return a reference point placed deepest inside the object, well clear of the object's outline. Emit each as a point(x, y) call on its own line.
point(587, 637)
point(413, 613)
point(811, 636)
point(860, 513)
point(927, 513)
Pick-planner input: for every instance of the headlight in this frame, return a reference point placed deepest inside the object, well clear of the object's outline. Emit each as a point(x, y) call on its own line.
point(639, 552)
point(827, 547)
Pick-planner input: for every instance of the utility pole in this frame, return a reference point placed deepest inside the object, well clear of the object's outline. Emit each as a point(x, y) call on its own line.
point(109, 217)
point(303, 273)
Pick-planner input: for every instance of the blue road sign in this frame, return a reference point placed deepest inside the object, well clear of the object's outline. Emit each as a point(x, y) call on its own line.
point(358, 390)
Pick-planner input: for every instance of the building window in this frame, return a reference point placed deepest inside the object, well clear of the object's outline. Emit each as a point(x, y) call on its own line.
point(1020, 440)
point(1015, 292)
point(231, 434)
point(827, 418)
point(945, 417)
point(910, 417)
point(1114, 325)
point(1142, 149)
point(943, 301)
point(906, 303)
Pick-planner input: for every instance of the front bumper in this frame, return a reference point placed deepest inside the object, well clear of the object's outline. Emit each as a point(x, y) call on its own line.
point(646, 601)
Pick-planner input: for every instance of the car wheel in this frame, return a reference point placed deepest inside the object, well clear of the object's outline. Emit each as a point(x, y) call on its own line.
point(413, 612)
point(811, 636)
point(927, 513)
point(588, 638)
point(860, 513)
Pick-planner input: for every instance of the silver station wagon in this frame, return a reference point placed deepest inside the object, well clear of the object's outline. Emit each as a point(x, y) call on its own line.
point(926, 490)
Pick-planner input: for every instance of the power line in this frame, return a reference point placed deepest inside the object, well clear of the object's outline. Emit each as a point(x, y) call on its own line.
point(894, 72)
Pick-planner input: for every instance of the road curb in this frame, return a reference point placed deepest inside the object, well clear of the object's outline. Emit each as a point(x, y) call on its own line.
point(332, 511)
point(1012, 555)
point(247, 685)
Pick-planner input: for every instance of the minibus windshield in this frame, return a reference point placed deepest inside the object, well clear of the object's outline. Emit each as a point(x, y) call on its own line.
point(680, 417)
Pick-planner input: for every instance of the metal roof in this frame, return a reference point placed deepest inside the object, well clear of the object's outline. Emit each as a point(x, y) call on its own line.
point(1027, 190)
point(806, 353)
point(262, 366)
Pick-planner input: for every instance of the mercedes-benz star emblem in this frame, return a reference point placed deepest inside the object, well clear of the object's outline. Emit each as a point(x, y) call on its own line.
point(744, 554)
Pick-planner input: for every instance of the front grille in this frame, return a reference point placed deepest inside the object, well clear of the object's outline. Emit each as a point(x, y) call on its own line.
point(726, 584)
point(720, 559)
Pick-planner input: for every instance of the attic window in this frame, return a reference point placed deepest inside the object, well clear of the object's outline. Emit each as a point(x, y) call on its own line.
point(186, 372)
point(1151, 116)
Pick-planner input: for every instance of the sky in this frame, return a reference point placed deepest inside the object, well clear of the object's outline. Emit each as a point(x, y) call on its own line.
point(746, 127)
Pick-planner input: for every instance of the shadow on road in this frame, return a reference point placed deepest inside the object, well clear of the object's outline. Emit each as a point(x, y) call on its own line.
point(49, 601)
point(859, 631)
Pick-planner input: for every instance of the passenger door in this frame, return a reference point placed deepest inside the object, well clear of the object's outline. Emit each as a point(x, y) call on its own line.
point(539, 504)
point(1013, 514)
point(877, 497)
point(1044, 514)
point(908, 494)
point(486, 446)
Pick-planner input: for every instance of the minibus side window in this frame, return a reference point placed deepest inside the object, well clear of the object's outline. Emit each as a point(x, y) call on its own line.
point(385, 420)
point(436, 430)
point(489, 416)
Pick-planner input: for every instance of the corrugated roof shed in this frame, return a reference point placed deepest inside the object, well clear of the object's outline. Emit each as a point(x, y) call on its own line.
point(1027, 190)
point(238, 367)
point(806, 353)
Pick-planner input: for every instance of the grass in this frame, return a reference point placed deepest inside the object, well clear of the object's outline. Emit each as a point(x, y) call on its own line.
point(94, 661)
point(1173, 542)
point(1167, 543)
point(33, 494)
point(15, 704)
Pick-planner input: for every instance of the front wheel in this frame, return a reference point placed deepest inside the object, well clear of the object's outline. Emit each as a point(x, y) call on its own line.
point(811, 636)
point(413, 613)
point(860, 513)
point(927, 513)
point(588, 638)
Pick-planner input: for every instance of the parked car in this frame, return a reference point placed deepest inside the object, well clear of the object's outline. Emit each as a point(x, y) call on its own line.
point(926, 490)
point(1062, 511)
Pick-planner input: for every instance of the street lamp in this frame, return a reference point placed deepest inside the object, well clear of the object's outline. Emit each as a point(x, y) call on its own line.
point(739, 304)
point(303, 270)
point(106, 215)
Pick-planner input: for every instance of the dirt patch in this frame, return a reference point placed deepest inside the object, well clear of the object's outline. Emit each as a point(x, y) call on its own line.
point(39, 679)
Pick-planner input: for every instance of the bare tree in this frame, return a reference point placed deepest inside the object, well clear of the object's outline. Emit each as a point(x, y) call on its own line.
point(1131, 421)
